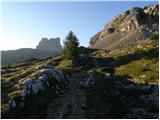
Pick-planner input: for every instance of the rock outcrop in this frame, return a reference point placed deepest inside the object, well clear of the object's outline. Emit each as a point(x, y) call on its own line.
point(43, 79)
point(46, 48)
point(53, 44)
point(127, 28)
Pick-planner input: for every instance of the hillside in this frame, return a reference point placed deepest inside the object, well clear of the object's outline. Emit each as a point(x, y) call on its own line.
point(136, 24)
point(45, 48)
point(122, 83)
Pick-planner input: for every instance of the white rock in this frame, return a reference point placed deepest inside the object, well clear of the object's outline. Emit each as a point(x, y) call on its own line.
point(12, 103)
point(48, 84)
point(145, 87)
point(40, 85)
point(27, 82)
point(56, 76)
point(24, 93)
point(42, 78)
point(45, 66)
point(130, 87)
point(35, 88)
point(108, 76)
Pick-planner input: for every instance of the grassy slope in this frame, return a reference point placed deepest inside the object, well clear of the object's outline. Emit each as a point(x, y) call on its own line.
point(19, 72)
point(139, 63)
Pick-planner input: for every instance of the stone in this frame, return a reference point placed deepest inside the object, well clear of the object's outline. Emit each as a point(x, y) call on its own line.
point(39, 81)
point(45, 66)
point(40, 85)
point(87, 82)
point(12, 103)
point(24, 93)
point(84, 106)
point(108, 76)
point(35, 88)
point(43, 78)
point(48, 84)
point(129, 87)
point(27, 82)
point(145, 87)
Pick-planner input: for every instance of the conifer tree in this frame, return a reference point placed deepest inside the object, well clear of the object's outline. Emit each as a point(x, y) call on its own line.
point(70, 49)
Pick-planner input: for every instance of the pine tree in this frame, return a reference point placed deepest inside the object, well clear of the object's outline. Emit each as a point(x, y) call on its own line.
point(70, 50)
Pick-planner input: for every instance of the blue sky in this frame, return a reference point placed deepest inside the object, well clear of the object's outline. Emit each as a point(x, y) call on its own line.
point(25, 23)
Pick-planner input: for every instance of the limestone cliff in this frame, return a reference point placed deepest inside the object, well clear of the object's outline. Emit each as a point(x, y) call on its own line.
point(127, 28)
point(53, 44)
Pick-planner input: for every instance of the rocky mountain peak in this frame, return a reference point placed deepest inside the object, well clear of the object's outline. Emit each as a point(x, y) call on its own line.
point(130, 26)
point(45, 48)
point(52, 44)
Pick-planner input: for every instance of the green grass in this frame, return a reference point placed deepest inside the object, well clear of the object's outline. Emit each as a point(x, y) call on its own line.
point(145, 71)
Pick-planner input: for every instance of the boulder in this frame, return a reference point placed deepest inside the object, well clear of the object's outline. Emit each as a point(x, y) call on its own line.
point(35, 88)
point(128, 87)
point(24, 93)
point(87, 82)
point(45, 66)
point(108, 76)
point(12, 103)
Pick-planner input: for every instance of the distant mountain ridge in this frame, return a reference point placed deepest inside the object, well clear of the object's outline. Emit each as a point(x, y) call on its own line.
point(45, 48)
point(127, 28)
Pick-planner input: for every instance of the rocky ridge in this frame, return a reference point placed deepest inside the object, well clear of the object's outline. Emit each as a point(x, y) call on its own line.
point(127, 28)
point(46, 48)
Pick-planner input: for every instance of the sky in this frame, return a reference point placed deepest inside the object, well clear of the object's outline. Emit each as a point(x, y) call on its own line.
point(24, 24)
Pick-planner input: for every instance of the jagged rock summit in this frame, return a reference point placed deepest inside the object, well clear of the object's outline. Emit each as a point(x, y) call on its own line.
point(127, 28)
point(52, 44)
point(45, 48)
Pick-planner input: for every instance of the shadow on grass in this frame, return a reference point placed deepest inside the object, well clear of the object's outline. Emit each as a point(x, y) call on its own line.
point(113, 99)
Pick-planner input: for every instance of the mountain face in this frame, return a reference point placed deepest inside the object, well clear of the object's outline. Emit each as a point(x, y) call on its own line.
point(46, 48)
point(53, 44)
point(127, 28)
point(99, 84)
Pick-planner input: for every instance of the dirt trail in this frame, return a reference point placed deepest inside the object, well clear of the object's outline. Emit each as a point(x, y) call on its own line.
point(69, 105)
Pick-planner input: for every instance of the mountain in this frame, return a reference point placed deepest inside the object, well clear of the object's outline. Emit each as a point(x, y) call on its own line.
point(45, 48)
point(127, 28)
point(53, 44)
point(100, 84)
